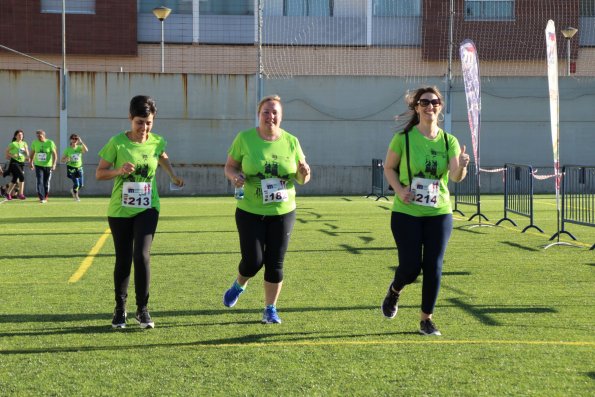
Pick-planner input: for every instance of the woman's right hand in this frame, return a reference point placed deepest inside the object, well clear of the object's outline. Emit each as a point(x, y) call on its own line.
point(239, 180)
point(127, 169)
point(405, 194)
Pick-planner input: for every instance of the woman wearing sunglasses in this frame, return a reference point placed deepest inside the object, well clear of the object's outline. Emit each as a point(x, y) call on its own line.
point(73, 157)
point(420, 160)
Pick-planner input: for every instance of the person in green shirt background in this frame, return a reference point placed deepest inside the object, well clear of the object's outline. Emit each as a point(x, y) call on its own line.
point(43, 159)
point(265, 161)
point(18, 152)
point(73, 157)
point(131, 158)
point(419, 161)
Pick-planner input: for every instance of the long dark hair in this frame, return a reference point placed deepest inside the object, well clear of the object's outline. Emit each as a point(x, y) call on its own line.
point(410, 118)
point(14, 137)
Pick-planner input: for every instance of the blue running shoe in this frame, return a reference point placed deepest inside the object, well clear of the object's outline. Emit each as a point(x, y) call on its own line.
point(231, 296)
point(270, 316)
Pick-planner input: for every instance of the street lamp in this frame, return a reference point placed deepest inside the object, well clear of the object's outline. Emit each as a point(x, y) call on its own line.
point(162, 13)
point(568, 33)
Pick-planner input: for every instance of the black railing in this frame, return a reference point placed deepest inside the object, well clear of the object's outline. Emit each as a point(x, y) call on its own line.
point(377, 180)
point(578, 196)
point(518, 193)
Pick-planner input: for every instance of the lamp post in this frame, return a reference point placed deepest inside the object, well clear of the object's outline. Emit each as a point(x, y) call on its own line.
point(162, 13)
point(568, 33)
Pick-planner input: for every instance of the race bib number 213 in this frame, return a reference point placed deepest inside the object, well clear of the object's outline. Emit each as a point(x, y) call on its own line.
point(136, 194)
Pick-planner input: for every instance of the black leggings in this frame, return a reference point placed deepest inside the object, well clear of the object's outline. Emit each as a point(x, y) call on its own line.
point(421, 244)
point(132, 241)
point(16, 169)
point(263, 242)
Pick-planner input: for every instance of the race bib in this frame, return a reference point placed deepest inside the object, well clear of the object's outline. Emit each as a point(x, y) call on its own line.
point(136, 194)
point(42, 156)
point(22, 152)
point(74, 158)
point(274, 190)
point(425, 191)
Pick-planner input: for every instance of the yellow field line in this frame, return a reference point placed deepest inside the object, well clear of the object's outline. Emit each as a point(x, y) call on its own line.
point(422, 341)
point(88, 261)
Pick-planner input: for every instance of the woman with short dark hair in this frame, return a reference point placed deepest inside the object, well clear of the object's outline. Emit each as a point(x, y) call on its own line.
point(131, 158)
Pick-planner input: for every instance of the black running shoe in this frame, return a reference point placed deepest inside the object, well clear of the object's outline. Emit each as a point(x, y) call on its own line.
point(144, 318)
point(427, 327)
point(389, 305)
point(119, 320)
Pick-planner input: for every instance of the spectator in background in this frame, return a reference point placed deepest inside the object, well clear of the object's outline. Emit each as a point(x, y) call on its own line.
point(73, 157)
point(17, 153)
point(43, 159)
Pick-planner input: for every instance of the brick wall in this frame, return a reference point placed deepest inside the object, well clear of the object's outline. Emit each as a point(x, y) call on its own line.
point(494, 39)
point(111, 30)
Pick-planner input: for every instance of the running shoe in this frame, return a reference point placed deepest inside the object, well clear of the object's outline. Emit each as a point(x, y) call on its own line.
point(427, 327)
point(144, 318)
point(390, 303)
point(270, 316)
point(231, 296)
point(119, 320)
point(21, 197)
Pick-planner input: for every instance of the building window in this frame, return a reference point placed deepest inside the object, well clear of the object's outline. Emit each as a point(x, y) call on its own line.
point(489, 10)
point(587, 8)
point(309, 8)
point(397, 8)
point(71, 6)
point(227, 7)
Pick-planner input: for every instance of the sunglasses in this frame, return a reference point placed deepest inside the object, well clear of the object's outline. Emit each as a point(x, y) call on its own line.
point(426, 102)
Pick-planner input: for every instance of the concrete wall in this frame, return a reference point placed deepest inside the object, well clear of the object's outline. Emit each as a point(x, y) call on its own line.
point(342, 122)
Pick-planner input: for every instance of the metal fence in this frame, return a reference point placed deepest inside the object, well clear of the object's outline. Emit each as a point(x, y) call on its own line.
point(377, 180)
point(518, 193)
point(467, 192)
point(578, 196)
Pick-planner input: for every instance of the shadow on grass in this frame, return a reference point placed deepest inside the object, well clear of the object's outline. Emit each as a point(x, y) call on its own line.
point(56, 219)
point(465, 228)
point(77, 317)
point(394, 268)
point(82, 255)
point(260, 339)
point(516, 245)
point(482, 313)
point(359, 250)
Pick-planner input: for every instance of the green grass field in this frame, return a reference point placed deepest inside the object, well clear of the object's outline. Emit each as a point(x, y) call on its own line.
point(516, 319)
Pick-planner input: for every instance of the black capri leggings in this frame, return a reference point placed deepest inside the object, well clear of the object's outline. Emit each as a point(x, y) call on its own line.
point(263, 242)
point(132, 241)
point(16, 169)
point(421, 244)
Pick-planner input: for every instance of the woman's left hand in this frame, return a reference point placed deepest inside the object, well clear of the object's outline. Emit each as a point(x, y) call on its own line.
point(463, 158)
point(303, 168)
point(177, 181)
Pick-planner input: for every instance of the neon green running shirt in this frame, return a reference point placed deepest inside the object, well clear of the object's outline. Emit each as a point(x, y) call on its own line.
point(145, 157)
point(19, 149)
point(43, 150)
point(75, 156)
point(263, 159)
point(428, 160)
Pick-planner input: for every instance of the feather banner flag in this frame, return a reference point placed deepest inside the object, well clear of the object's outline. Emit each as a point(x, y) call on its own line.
point(552, 75)
point(470, 65)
